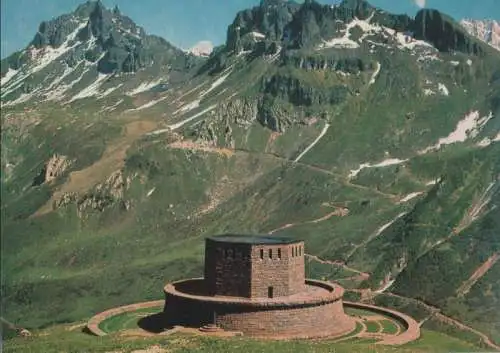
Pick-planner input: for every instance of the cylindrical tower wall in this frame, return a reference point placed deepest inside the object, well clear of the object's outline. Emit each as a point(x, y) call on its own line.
point(318, 314)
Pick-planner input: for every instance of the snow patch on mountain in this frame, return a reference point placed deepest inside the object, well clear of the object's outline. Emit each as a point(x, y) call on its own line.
point(388, 162)
point(273, 57)
point(401, 40)
point(375, 74)
point(92, 89)
point(48, 54)
point(185, 121)
point(24, 97)
point(188, 107)
point(410, 197)
point(8, 75)
point(114, 106)
point(41, 58)
point(108, 91)
point(217, 83)
point(58, 93)
point(143, 87)
point(468, 127)
point(203, 48)
point(345, 41)
point(443, 89)
point(257, 36)
point(405, 41)
point(149, 104)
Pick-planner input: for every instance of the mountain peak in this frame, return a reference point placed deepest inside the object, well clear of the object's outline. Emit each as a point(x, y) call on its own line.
point(486, 30)
point(202, 48)
point(91, 41)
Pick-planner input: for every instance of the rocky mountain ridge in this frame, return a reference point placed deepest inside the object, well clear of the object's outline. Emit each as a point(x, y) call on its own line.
point(486, 30)
point(83, 53)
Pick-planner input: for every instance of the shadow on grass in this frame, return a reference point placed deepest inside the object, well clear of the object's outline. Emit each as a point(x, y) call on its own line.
point(86, 331)
point(153, 323)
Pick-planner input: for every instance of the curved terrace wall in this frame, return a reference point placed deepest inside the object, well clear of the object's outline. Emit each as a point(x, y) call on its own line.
point(94, 322)
point(315, 313)
point(412, 328)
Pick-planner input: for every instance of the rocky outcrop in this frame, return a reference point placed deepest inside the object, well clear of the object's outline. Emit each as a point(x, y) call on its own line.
point(203, 48)
point(102, 196)
point(486, 30)
point(270, 19)
point(332, 62)
point(303, 26)
point(300, 93)
point(242, 112)
point(55, 167)
point(112, 39)
point(444, 33)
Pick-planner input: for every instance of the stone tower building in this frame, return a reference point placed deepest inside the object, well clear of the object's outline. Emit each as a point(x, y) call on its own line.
point(256, 285)
point(253, 266)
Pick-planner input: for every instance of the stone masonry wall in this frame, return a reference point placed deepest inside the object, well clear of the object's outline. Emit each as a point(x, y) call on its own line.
point(283, 321)
point(228, 269)
point(278, 266)
point(297, 322)
point(254, 270)
point(296, 271)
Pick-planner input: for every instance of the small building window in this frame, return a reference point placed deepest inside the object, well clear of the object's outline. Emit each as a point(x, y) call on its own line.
point(262, 254)
point(279, 253)
point(270, 253)
point(300, 250)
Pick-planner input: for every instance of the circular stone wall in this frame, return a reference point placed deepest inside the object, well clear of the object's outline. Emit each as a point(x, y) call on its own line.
point(316, 312)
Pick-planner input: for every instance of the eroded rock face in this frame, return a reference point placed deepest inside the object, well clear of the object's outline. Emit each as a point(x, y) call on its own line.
point(55, 167)
point(113, 41)
point(102, 196)
point(444, 33)
point(486, 30)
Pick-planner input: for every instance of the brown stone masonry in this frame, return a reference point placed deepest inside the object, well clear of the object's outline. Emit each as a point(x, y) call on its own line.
point(315, 312)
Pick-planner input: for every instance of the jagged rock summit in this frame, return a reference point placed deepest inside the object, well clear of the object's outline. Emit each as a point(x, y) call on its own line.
point(486, 30)
point(295, 26)
point(76, 54)
point(202, 48)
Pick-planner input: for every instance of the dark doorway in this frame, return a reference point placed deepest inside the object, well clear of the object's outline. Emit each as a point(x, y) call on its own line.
point(270, 292)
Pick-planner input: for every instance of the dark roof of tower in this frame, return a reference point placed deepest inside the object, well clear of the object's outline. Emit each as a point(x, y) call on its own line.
point(253, 239)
